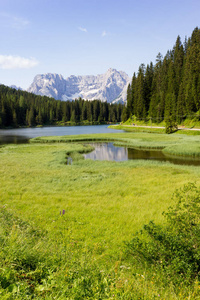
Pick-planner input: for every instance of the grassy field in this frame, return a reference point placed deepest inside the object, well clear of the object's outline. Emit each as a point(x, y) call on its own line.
point(63, 227)
point(154, 129)
point(188, 123)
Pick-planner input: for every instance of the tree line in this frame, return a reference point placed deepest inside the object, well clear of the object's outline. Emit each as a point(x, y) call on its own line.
point(170, 89)
point(20, 108)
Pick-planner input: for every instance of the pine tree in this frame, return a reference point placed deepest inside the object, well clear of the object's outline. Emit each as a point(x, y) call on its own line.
point(140, 107)
point(30, 118)
point(178, 64)
point(170, 99)
point(191, 72)
point(148, 85)
point(180, 110)
point(64, 112)
point(96, 110)
point(39, 118)
point(89, 111)
point(124, 114)
point(133, 88)
point(84, 112)
point(157, 99)
point(14, 118)
point(100, 117)
point(129, 106)
point(51, 116)
point(73, 117)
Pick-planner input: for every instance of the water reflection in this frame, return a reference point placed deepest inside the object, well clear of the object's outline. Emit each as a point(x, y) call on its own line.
point(13, 139)
point(146, 154)
point(107, 151)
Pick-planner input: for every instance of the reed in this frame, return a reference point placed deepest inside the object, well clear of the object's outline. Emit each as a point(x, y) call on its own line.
point(176, 144)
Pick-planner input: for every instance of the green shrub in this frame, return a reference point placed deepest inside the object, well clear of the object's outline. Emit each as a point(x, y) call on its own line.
point(174, 247)
point(170, 125)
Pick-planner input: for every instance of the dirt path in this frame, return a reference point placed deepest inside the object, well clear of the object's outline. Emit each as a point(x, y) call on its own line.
point(179, 128)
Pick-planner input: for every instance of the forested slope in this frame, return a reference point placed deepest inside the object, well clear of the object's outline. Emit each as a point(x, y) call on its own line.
point(171, 87)
point(20, 108)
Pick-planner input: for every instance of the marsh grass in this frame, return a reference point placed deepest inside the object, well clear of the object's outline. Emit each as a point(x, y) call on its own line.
point(174, 144)
point(186, 150)
point(130, 128)
point(80, 255)
point(188, 132)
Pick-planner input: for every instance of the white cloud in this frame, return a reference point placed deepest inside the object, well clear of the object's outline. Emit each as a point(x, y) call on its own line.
point(13, 21)
point(19, 23)
point(17, 62)
point(82, 29)
point(104, 33)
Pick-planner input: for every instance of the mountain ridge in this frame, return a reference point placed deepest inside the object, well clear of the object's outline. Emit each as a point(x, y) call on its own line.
point(110, 86)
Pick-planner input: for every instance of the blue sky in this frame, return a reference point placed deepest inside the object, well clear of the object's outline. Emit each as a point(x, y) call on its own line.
point(87, 37)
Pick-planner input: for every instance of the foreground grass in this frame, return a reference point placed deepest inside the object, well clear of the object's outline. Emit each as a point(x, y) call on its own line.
point(80, 254)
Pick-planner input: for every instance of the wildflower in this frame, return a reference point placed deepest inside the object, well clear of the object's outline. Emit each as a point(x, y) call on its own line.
point(62, 213)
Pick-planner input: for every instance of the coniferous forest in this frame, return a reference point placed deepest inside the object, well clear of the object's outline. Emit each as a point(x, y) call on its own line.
point(20, 108)
point(170, 89)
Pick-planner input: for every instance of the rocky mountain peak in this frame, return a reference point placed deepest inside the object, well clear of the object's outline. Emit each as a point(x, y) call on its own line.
point(105, 87)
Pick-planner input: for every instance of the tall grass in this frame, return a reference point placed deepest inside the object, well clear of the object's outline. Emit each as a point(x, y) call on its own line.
point(178, 144)
point(188, 150)
point(80, 255)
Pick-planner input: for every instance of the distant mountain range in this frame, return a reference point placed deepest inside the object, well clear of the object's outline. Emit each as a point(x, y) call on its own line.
point(110, 87)
point(15, 87)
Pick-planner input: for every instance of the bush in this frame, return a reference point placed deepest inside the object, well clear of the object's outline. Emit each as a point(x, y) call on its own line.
point(175, 246)
point(170, 125)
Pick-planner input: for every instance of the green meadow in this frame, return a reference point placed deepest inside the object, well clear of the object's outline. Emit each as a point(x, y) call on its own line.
point(65, 228)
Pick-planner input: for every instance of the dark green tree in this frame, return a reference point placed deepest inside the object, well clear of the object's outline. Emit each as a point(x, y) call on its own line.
point(129, 105)
point(140, 103)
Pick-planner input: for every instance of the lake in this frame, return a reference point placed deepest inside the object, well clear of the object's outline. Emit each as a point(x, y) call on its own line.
point(22, 135)
point(103, 151)
point(107, 151)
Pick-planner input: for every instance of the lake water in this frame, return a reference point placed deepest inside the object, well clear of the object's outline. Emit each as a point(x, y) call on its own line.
point(22, 135)
point(107, 151)
point(104, 151)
